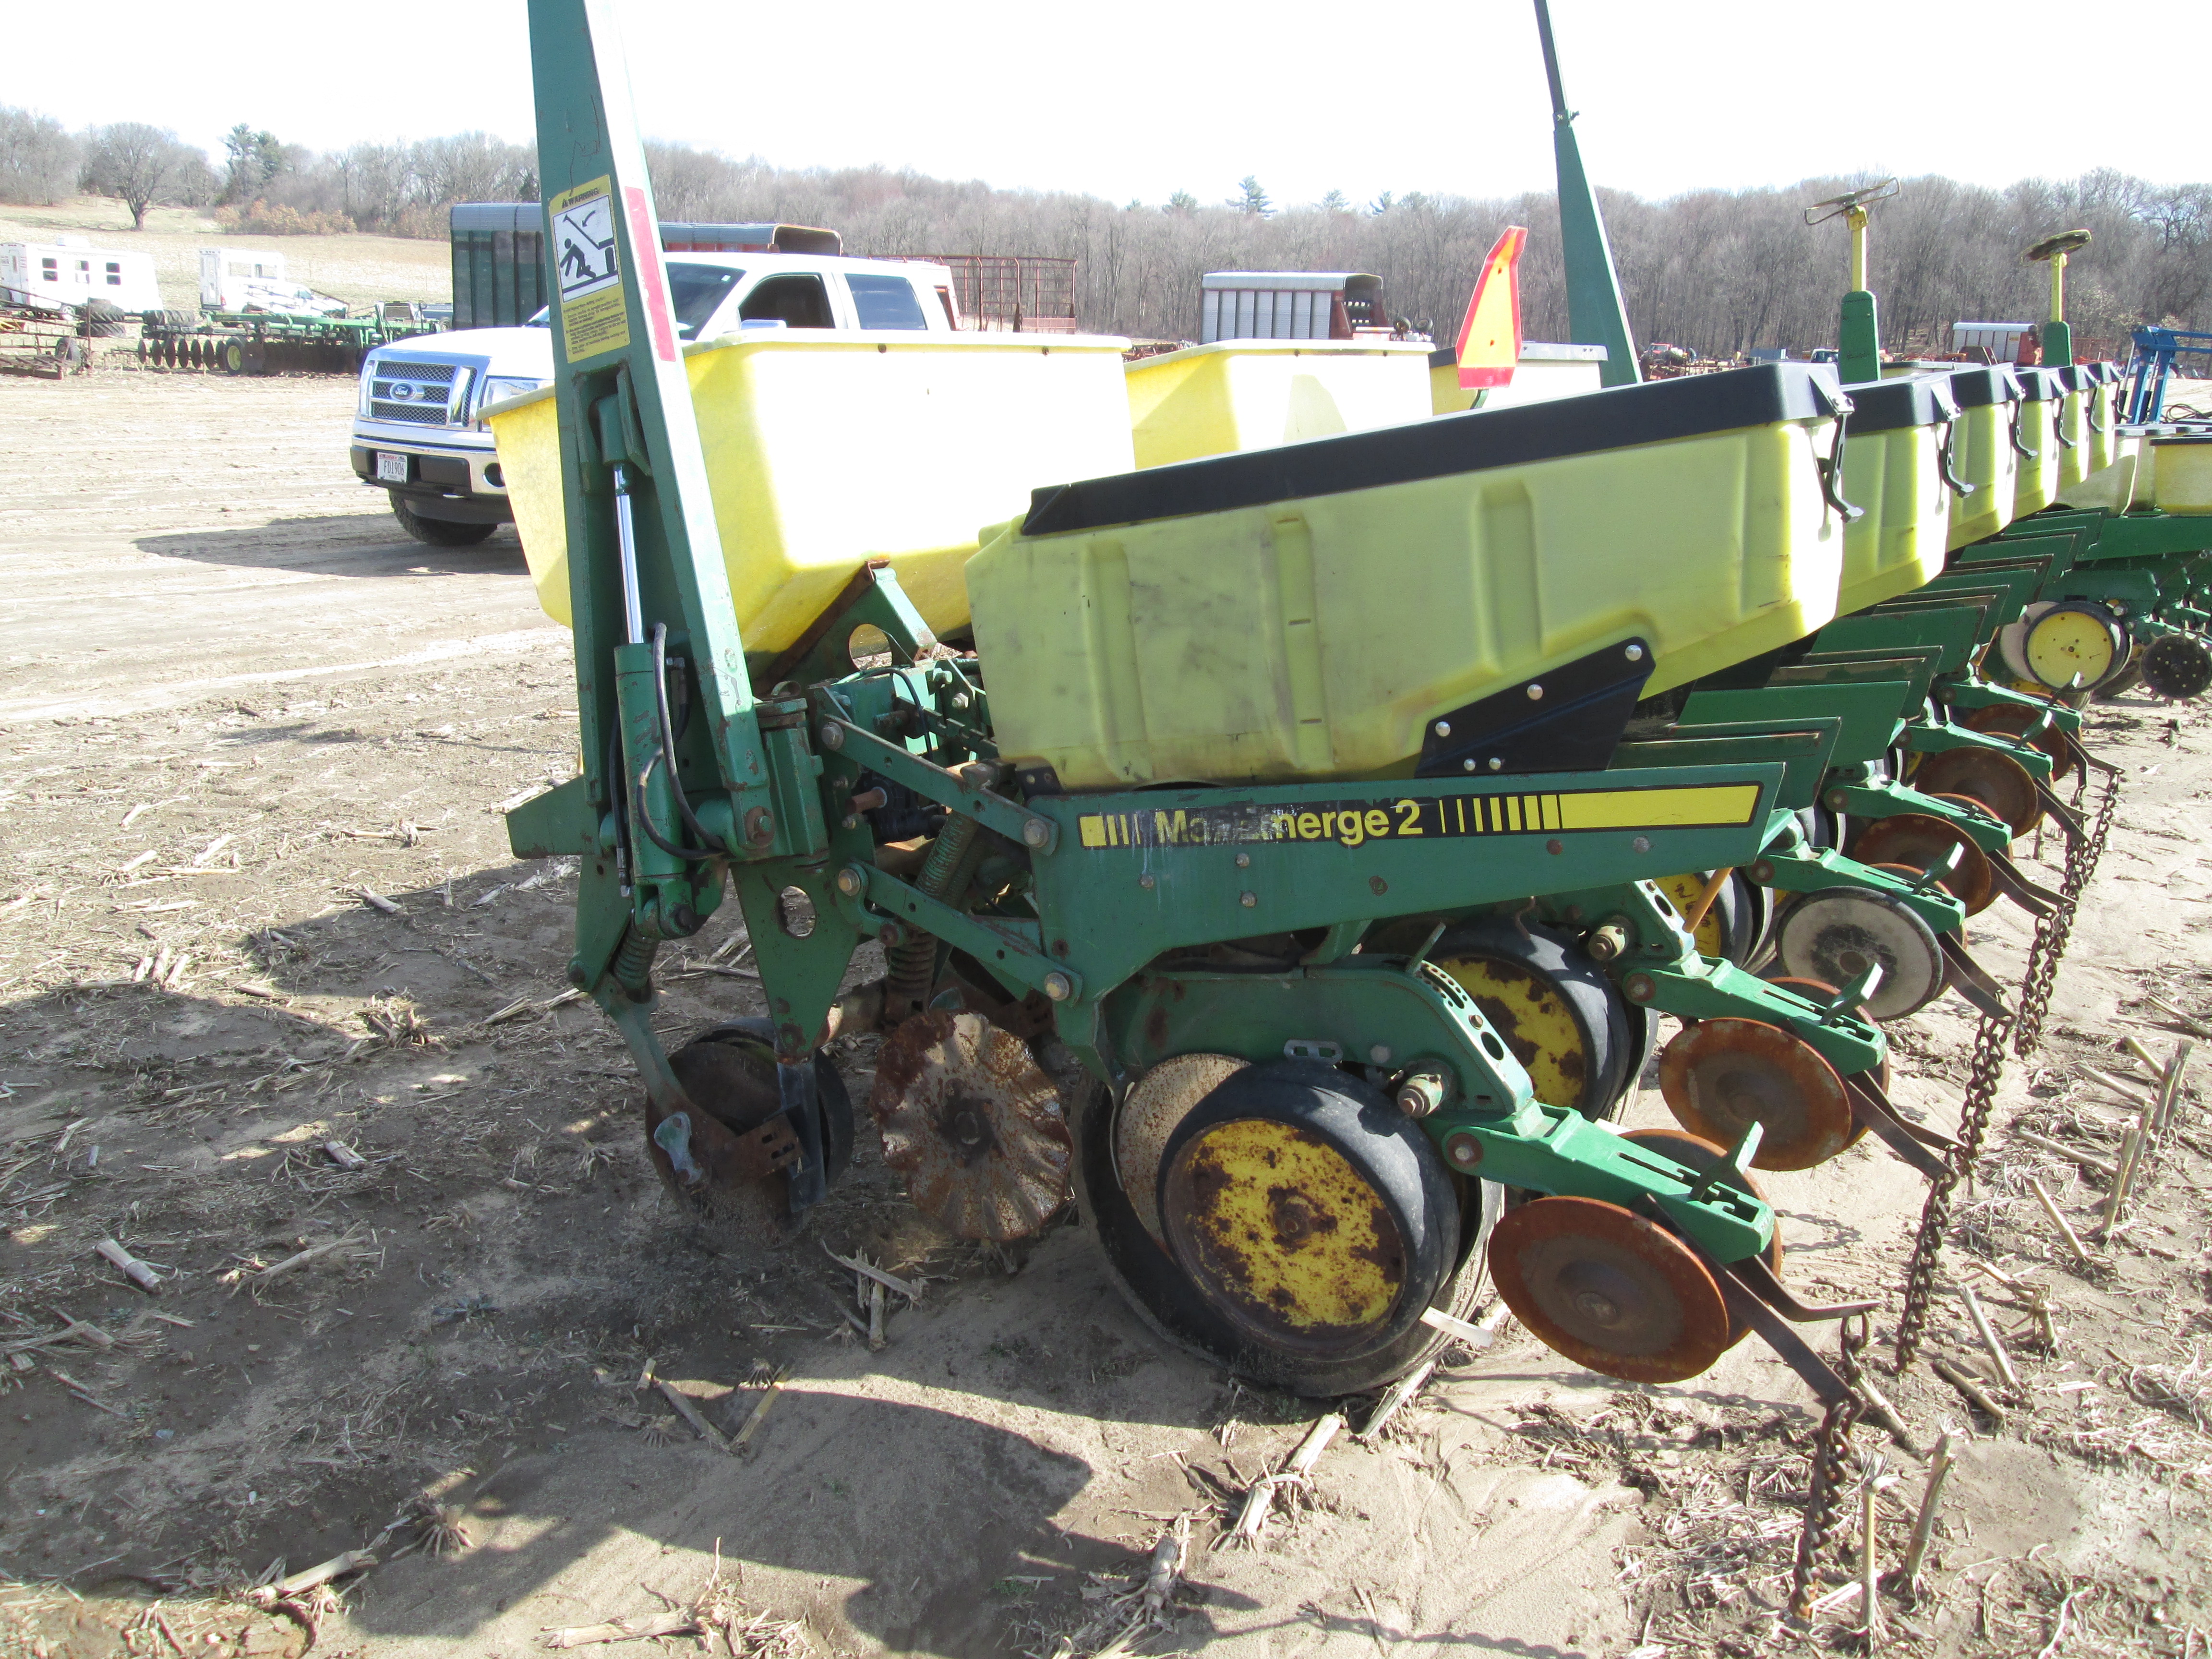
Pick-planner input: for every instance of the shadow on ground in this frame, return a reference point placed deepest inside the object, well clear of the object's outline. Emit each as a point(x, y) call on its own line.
point(367, 544)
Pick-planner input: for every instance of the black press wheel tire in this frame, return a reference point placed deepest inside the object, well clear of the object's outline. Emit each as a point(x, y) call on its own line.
point(436, 533)
point(1533, 985)
point(1170, 1304)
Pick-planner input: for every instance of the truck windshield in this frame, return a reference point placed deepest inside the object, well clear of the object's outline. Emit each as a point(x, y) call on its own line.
point(695, 289)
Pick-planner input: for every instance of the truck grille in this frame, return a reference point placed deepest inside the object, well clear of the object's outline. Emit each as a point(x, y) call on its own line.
point(417, 394)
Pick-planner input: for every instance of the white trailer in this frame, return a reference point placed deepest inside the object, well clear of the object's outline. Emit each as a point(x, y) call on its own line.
point(237, 279)
point(73, 272)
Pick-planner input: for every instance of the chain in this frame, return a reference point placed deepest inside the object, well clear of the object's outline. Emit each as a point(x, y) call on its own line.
point(1831, 1470)
point(1983, 1075)
point(2052, 930)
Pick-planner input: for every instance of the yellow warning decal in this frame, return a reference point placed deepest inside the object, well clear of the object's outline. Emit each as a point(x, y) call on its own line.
point(588, 266)
point(1354, 823)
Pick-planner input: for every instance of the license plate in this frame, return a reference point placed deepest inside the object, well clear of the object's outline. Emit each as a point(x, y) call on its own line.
point(391, 469)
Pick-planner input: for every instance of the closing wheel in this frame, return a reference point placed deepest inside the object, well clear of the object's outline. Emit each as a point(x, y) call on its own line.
point(1168, 1302)
point(1720, 1076)
point(1729, 927)
point(1918, 842)
point(1552, 1005)
point(1610, 1290)
point(1313, 1216)
point(973, 1125)
point(2177, 666)
point(1834, 935)
point(1997, 781)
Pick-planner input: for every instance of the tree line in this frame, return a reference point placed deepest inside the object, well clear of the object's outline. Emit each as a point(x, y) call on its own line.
point(259, 183)
point(1717, 271)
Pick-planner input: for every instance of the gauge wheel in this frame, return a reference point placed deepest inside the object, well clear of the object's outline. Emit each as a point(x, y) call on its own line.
point(1373, 1151)
point(1554, 1007)
point(1730, 928)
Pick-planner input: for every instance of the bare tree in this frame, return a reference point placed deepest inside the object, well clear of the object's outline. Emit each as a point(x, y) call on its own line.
point(141, 165)
point(39, 160)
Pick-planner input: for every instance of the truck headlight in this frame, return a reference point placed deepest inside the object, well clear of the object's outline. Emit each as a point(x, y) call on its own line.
point(367, 380)
point(496, 386)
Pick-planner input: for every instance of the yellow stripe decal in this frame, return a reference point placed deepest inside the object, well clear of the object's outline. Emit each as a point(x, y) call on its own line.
point(1354, 823)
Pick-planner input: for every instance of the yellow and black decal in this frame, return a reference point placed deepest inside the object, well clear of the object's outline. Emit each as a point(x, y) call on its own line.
point(1355, 822)
point(593, 318)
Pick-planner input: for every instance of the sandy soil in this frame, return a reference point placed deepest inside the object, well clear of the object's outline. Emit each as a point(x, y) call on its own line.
point(359, 269)
point(233, 698)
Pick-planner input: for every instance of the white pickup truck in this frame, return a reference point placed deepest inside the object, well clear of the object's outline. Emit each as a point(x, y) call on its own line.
point(418, 431)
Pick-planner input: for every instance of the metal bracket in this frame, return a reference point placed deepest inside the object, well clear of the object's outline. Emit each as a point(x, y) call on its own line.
point(955, 791)
point(997, 945)
point(1735, 1168)
point(2069, 820)
point(1872, 1108)
point(1942, 870)
point(1755, 1275)
point(1754, 1294)
point(2032, 897)
point(1966, 976)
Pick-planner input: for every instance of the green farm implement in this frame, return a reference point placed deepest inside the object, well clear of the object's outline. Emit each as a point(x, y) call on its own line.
point(274, 343)
point(1168, 867)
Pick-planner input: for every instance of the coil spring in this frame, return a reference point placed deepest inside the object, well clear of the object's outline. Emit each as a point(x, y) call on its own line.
point(912, 964)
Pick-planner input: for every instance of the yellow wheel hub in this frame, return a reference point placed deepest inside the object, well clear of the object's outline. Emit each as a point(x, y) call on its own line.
point(2064, 643)
point(1685, 890)
point(1284, 1235)
point(1528, 1011)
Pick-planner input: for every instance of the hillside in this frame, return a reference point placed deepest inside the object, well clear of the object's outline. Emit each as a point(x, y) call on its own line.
point(357, 269)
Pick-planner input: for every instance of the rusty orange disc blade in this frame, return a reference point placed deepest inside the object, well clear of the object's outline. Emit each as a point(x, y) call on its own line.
point(1720, 1076)
point(1609, 1290)
point(1916, 841)
point(1997, 781)
point(2010, 720)
point(1819, 990)
point(1696, 1153)
point(973, 1125)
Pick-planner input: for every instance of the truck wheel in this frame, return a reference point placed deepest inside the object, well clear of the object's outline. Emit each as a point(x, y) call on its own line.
point(437, 532)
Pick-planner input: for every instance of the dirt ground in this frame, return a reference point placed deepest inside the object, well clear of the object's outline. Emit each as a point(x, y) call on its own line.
point(233, 701)
point(359, 269)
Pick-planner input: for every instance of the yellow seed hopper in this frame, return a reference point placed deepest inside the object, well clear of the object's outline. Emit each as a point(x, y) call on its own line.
point(1309, 612)
point(824, 450)
point(1232, 395)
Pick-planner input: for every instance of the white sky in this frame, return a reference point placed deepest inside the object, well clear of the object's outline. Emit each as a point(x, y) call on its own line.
point(1142, 98)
